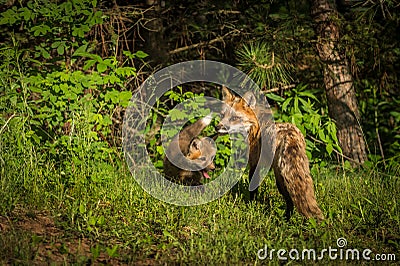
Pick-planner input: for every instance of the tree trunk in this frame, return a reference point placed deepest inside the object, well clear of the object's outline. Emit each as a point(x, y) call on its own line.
point(155, 44)
point(340, 93)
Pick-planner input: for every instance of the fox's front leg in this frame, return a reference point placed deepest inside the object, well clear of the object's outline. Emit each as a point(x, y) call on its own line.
point(254, 174)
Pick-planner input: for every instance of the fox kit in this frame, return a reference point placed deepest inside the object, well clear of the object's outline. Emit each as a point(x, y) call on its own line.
point(290, 162)
point(198, 152)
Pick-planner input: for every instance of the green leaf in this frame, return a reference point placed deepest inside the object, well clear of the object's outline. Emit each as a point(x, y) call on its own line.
point(82, 208)
point(321, 135)
point(112, 95)
point(8, 17)
point(128, 54)
point(159, 164)
point(109, 62)
point(126, 71)
point(106, 121)
point(274, 97)
point(296, 104)
point(81, 50)
point(396, 115)
point(304, 103)
point(55, 44)
point(308, 94)
point(89, 64)
point(338, 148)
point(26, 13)
point(60, 49)
point(286, 103)
point(160, 150)
point(93, 135)
point(40, 30)
point(101, 67)
point(92, 221)
point(141, 54)
point(329, 148)
point(177, 114)
point(112, 252)
point(125, 97)
point(44, 53)
point(112, 79)
point(98, 17)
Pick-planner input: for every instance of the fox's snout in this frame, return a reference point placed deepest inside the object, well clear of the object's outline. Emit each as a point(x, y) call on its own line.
point(211, 167)
point(221, 128)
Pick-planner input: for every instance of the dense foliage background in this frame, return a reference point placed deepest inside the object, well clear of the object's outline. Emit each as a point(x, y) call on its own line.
point(64, 62)
point(68, 70)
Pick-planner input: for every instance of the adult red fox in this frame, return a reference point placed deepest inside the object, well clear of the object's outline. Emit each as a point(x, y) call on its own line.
point(199, 152)
point(290, 162)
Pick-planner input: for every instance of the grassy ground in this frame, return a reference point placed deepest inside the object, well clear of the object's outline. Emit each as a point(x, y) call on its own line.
point(97, 213)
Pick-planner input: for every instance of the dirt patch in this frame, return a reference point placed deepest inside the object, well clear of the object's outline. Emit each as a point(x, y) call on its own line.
point(31, 237)
point(36, 222)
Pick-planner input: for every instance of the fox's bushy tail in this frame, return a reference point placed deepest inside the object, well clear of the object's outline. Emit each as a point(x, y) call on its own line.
point(292, 173)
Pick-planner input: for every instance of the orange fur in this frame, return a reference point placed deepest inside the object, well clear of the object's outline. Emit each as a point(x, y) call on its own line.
point(290, 162)
point(199, 151)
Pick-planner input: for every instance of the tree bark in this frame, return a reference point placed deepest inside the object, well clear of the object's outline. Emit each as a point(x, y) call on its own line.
point(340, 93)
point(155, 43)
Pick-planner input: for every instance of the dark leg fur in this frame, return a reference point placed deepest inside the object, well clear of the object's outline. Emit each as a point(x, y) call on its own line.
point(252, 175)
point(285, 193)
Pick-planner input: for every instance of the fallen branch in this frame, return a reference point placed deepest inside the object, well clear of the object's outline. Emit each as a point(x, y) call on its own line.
point(192, 46)
point(225, 12)
point(280, 88)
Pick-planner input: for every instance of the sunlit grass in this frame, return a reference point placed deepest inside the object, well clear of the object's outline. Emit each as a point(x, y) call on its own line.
point(112, 211)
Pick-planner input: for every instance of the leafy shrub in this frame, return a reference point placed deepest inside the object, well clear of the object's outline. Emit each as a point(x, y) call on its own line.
point(381, 117)
point(55, 28)
point(66, 97)
point(302, 108)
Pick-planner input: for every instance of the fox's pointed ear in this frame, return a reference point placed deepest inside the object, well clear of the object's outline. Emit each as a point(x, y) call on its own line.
point(226, 94)
point(250, 99)
point(195, 144)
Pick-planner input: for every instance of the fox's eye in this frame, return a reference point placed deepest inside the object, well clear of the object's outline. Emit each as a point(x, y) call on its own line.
point(202, 159)
point(234, 118)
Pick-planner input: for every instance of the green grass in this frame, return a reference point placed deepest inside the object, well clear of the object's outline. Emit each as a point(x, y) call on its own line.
point(98, 208)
